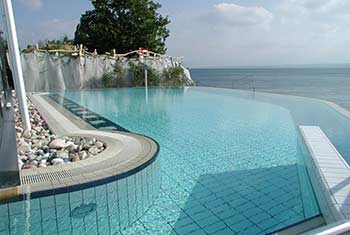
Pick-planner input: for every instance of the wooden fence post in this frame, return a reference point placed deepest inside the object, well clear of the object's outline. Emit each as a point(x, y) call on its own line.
point(81, 50)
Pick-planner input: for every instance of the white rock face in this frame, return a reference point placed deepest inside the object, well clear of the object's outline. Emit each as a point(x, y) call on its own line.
point(65, 73)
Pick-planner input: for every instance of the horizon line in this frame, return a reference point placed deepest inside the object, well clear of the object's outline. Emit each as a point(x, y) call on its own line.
point(324, 65)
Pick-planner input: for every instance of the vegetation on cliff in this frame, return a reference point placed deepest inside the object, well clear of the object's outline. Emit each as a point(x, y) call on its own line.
point(134, 76)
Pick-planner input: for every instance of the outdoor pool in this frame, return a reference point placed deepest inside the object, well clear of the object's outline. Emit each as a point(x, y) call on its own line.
point(231, 162)
point(228, 162)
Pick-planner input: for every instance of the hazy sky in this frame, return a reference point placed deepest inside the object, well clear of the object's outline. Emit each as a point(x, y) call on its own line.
point(220, 32)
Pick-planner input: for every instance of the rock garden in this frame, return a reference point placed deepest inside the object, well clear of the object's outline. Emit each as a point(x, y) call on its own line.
point(39, 147)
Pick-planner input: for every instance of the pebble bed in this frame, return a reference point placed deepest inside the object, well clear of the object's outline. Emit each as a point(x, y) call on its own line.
point(39, 147)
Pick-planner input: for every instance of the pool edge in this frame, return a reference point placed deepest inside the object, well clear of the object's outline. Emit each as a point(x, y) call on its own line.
point(329, 174)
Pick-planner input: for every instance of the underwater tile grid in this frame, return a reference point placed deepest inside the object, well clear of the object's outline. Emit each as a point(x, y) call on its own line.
point(223, 168)
point(253, 183)
point(103, 209)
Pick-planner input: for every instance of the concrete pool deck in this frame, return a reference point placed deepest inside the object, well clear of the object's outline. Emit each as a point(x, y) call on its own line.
point(331, 174)
point(125, 154)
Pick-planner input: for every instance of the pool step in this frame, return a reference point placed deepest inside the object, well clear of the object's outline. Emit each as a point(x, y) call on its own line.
point(85, 114)
point(302, 227)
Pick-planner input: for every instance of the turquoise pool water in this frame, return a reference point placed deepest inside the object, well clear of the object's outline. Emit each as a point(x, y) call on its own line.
point(230, 161)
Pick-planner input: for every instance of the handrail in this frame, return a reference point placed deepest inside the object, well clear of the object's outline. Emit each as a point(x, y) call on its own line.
point(335, 228)
point(80, 51)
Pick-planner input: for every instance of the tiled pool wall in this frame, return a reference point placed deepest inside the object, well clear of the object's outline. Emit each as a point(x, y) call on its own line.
point(306, 188)
point(321, 191)
point(104, 209)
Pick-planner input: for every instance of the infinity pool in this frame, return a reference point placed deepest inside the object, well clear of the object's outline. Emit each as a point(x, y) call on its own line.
point(229, 163)
point(232, 162)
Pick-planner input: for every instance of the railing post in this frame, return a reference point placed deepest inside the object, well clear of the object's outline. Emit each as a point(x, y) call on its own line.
point(15, 60)
point(81, 50)
point(146, 82)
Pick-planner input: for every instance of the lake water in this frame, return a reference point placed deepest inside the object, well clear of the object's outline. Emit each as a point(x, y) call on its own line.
point(332, 83)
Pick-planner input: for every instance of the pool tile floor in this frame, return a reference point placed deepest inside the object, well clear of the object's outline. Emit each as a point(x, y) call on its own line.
point(225, 172)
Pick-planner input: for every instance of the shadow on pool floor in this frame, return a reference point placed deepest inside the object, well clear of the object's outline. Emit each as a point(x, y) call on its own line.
point(256, 201)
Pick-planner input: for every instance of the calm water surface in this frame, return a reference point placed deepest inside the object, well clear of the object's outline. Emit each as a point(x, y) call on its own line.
point(331, 84)
point(231, 163)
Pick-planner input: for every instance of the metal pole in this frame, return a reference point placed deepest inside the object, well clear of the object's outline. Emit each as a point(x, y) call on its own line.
point(146, 82)
point(15, 60)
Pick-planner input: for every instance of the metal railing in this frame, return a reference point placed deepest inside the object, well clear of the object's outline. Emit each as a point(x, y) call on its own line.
point(79, 50)
point(340, 227)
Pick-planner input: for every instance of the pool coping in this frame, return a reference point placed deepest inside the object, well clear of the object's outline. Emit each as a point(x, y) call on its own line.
point(332, 173)
point(125, 154)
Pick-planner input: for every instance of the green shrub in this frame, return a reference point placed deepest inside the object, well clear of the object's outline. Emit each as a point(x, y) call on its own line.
point(108, 80)
point(119, 74)
point(116, 78)
point(137, 72)
point(174, 77)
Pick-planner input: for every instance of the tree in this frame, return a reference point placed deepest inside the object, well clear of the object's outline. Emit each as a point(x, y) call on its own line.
point(124, 25)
